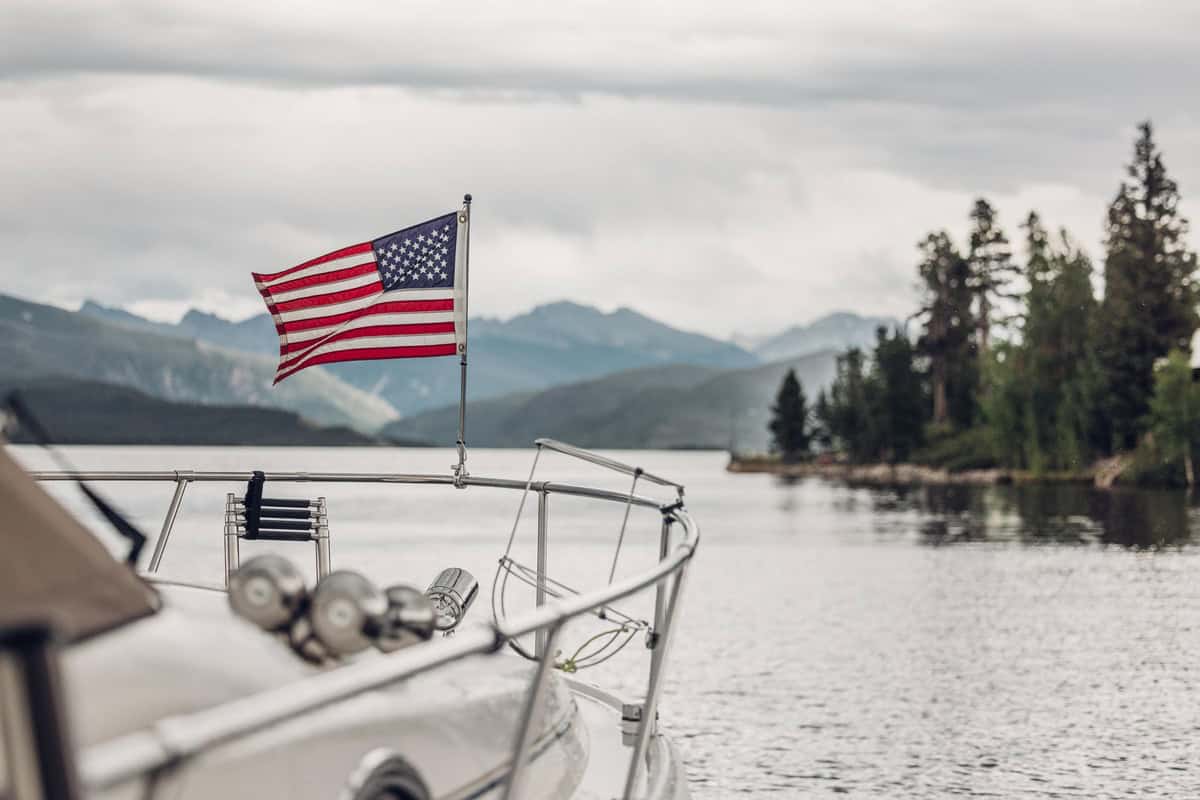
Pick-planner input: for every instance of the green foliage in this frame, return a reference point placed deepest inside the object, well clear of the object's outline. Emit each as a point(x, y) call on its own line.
point(947, 336)
point(876, 413)
point(895, 399)
point(789, 426)
point(846, 417)
point(1008, 409)
point(1041, 404)
point(822, 435)
point(1153, 467)
point(1150, 295)
point(956, 451)
point(1175, 411)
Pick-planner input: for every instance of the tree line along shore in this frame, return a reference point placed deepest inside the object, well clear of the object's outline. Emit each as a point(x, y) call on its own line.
point(1015, 367)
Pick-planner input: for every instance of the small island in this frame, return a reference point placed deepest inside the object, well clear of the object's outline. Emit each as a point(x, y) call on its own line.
point(1017, 371)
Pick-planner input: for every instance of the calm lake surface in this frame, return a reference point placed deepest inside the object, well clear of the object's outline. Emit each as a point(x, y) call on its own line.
point(996, 642)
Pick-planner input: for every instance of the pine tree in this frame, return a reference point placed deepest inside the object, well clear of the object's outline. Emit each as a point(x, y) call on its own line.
point(789, 424)
point(989, 260)
point(1040, 408)
point(1039, 274)
point(1150, 294)
point(947, 336)
point(1037, 246)
point(1074, 370)
point(848, 405)
point(895, 399)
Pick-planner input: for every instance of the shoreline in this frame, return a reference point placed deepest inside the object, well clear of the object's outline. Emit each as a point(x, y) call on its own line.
point(1102, 476)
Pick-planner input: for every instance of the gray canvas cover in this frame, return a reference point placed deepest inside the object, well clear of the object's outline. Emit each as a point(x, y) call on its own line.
point(53, 569)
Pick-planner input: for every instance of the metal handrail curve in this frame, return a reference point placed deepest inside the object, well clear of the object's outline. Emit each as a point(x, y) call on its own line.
point(172, 740)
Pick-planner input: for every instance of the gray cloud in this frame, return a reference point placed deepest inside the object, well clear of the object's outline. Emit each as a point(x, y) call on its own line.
point(783, 159)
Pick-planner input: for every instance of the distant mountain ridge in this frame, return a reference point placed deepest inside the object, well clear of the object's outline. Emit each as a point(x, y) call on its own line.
point(615, 379)
point(549, 345)
point(77, 411)
point(660, 407)
point(44, 341)
point(837, 331)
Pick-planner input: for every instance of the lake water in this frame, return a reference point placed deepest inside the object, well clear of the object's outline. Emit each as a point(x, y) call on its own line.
point(996, 642)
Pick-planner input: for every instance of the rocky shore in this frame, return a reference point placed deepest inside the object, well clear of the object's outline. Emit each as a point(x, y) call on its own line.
point(1102, 474)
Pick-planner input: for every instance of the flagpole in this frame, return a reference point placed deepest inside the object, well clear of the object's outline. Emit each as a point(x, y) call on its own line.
point(460, 469)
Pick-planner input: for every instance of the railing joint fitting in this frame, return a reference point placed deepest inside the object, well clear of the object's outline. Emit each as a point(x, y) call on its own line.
point(499, 639)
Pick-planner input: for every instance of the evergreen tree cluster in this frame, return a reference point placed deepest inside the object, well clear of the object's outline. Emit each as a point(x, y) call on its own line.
point(1015, 361)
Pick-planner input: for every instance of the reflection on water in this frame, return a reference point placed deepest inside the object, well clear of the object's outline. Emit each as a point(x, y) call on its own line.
point(1036, 514)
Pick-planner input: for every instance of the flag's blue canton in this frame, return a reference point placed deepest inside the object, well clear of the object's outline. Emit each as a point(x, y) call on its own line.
point(420, 257)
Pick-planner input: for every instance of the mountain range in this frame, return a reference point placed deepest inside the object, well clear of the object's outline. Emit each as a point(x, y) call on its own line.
point(39, 341)
point(678, 406)
point(550, 345)
point(836, 331)
point(617, 379)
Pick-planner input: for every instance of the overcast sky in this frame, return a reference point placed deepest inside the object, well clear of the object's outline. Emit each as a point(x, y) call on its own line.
point(735, 166)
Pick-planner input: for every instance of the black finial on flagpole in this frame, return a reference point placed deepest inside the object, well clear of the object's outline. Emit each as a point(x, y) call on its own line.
point(467, 199)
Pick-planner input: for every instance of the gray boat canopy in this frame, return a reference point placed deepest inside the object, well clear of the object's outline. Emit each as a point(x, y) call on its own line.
point(53, 569)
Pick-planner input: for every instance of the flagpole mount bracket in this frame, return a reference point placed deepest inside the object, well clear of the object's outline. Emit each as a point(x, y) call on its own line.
point(460, 469)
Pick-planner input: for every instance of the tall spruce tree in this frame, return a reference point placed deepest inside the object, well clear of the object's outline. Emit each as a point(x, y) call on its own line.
point(989, 259)
point(1040, 409)
point(1073, 369)
point(789, 426)
point(1150, 293)
point(947, 336)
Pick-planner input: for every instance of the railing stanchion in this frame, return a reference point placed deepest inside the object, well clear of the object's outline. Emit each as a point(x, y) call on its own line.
point(160, 546)
point(533, 704)
point(543, 519)
point(322, 534)
point(232, 551)
point(650, 710)
point(660, 599)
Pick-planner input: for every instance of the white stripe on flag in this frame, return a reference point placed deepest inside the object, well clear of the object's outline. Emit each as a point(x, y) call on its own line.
point(360, 303)
point(317, 269)
point(326, 288)
point(361, 342)
point(370, 320)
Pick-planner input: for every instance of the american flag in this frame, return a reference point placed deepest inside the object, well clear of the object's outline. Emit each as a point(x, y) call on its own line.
point(399, 296)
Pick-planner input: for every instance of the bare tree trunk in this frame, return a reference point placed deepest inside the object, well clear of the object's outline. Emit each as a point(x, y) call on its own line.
point(1187, 467)
point(941, 410)
point(983, 326)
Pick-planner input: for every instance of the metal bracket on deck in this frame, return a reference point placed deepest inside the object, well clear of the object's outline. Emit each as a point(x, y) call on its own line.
point(631, 720)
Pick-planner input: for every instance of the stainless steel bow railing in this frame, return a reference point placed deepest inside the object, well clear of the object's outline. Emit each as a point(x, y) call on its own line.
point(173, 741)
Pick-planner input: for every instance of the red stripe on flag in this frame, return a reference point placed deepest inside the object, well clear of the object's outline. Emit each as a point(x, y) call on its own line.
point(373, 354)
point(353, 249)
point(370, 330)
point(390, 307)
point(323, 277)
point(331, 298)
